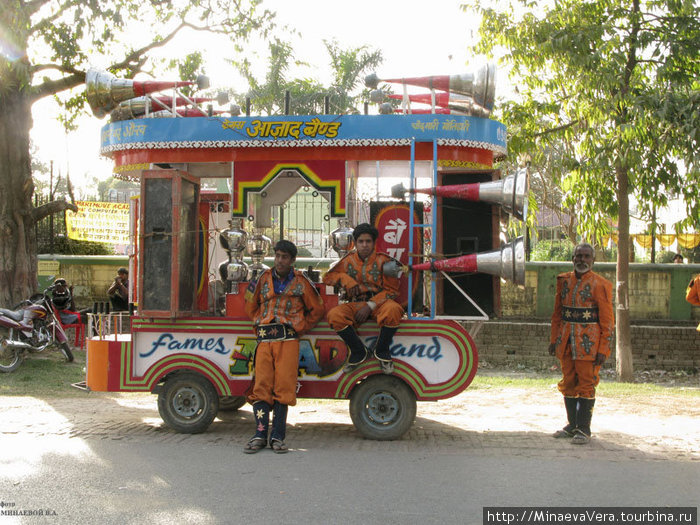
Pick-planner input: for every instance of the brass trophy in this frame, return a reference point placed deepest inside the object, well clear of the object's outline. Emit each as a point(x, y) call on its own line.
point(258, 247)
point(233, 239)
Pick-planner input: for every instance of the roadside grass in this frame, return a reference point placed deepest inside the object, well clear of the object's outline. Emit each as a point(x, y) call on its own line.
point(45, 375)
point(48, 375)
point(536, 380)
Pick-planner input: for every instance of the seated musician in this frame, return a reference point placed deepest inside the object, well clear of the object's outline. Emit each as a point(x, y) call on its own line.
point(371, 295)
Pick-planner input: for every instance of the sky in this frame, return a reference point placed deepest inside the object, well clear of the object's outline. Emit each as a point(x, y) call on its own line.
point(417, 38)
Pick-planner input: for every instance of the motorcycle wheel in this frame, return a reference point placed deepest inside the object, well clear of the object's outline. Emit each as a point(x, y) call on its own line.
point(66, 351)
point(10, 358)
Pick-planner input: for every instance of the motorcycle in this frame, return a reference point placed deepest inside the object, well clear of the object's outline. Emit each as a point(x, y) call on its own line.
point(30, 328)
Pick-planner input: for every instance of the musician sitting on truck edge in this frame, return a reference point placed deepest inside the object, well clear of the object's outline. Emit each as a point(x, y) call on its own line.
point(283, 305)
point(371, 294)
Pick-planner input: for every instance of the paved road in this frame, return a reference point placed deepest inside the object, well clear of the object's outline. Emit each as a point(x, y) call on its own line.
point(110, 460)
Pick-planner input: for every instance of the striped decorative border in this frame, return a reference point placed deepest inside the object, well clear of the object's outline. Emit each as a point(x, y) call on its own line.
point(223, 144)
point(448, 330)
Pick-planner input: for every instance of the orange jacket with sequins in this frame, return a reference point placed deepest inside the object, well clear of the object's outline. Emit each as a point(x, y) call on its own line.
point(351, 270)
point(583, 316)
point(299, 305)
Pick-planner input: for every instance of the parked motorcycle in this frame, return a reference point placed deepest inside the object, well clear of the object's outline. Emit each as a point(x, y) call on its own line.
point(31, 327)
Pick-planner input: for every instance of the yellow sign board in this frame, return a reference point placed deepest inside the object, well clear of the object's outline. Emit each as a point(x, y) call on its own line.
point(106, 222)
point(49, 267)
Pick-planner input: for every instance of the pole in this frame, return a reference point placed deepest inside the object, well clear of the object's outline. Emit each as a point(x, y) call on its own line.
point(653, 233)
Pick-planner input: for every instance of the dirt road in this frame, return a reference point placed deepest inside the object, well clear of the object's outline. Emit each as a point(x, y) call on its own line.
point(487, 420)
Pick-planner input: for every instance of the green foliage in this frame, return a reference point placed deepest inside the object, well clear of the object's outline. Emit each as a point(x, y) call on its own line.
point(605, 89)
point(552, 251)
point(307, 96)
point(64, 245)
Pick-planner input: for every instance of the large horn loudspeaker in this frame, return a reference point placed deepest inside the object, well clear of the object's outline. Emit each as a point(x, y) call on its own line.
point(480, 86)
point(104, 91)
point(509, 192)
point(508, 263)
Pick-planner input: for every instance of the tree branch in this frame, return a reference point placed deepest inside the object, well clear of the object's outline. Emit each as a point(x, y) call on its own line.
point(65, 69)
point(135, 56)
point(41, 24)
point(33, 6)
point(51, 87)
point(554, 130)
point(50, 208)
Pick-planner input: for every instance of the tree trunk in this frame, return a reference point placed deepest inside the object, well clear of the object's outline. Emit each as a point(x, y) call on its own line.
point(623, 341)
point(18, 260)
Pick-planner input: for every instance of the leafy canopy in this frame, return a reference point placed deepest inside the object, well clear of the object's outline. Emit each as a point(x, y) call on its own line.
point(602, 87)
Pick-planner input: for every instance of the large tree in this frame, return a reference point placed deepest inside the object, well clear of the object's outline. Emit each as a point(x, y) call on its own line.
point(45, 48)
point(618, 82)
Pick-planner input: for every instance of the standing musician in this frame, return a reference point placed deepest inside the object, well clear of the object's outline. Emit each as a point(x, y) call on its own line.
point(283, 305)
point(581, 337)
point(361, 274)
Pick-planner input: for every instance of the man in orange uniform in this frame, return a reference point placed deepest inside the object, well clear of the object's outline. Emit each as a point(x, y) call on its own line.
point(692, 294)
point(371, 293)
point(284, 305)
point(581, 337)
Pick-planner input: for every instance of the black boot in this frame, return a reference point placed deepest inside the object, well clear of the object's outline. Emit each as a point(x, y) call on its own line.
point(279, 428)
point(261, 412)
point(358, 352)
point(568, 431)
point(582, 434)
point(382, 348)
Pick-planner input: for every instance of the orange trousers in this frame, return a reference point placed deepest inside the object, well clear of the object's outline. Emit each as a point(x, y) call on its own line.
point(389, 313)
point(579, 377)
point(276, 370)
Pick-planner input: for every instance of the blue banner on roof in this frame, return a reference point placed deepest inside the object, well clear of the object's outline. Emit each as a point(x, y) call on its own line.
point(303, 130)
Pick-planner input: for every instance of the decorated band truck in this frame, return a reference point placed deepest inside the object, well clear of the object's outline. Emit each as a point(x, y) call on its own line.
point(209, 182)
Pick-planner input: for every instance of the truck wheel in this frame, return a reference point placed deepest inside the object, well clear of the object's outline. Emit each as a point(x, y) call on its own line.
point(188, 403)
point(231, 403)
point(382, 407)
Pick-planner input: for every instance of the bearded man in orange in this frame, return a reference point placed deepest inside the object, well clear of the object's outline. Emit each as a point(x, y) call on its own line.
point(284, 305)
point(371, 294)
point(581, 337)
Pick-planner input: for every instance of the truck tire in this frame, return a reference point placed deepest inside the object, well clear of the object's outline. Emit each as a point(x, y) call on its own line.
point(382, 407)
point(188, 403)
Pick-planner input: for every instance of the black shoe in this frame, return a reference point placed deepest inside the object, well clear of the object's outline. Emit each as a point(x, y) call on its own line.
point(382, 349)
point(358, 351)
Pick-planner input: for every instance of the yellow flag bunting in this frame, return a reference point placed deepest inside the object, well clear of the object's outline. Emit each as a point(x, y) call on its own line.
point(685, 240)
point(106, 222)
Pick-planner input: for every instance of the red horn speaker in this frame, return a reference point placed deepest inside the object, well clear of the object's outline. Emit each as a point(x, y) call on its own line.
point(435, 111)
point(136, 107)
point(480, 86)
point(508, 263)
point(448, 100)
point(510, 192)
point(104, 91)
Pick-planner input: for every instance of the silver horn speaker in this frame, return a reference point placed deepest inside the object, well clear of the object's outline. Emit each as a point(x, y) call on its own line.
point(508, 263)
point(510, 192)
point(480, 86)
point(104, 91)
